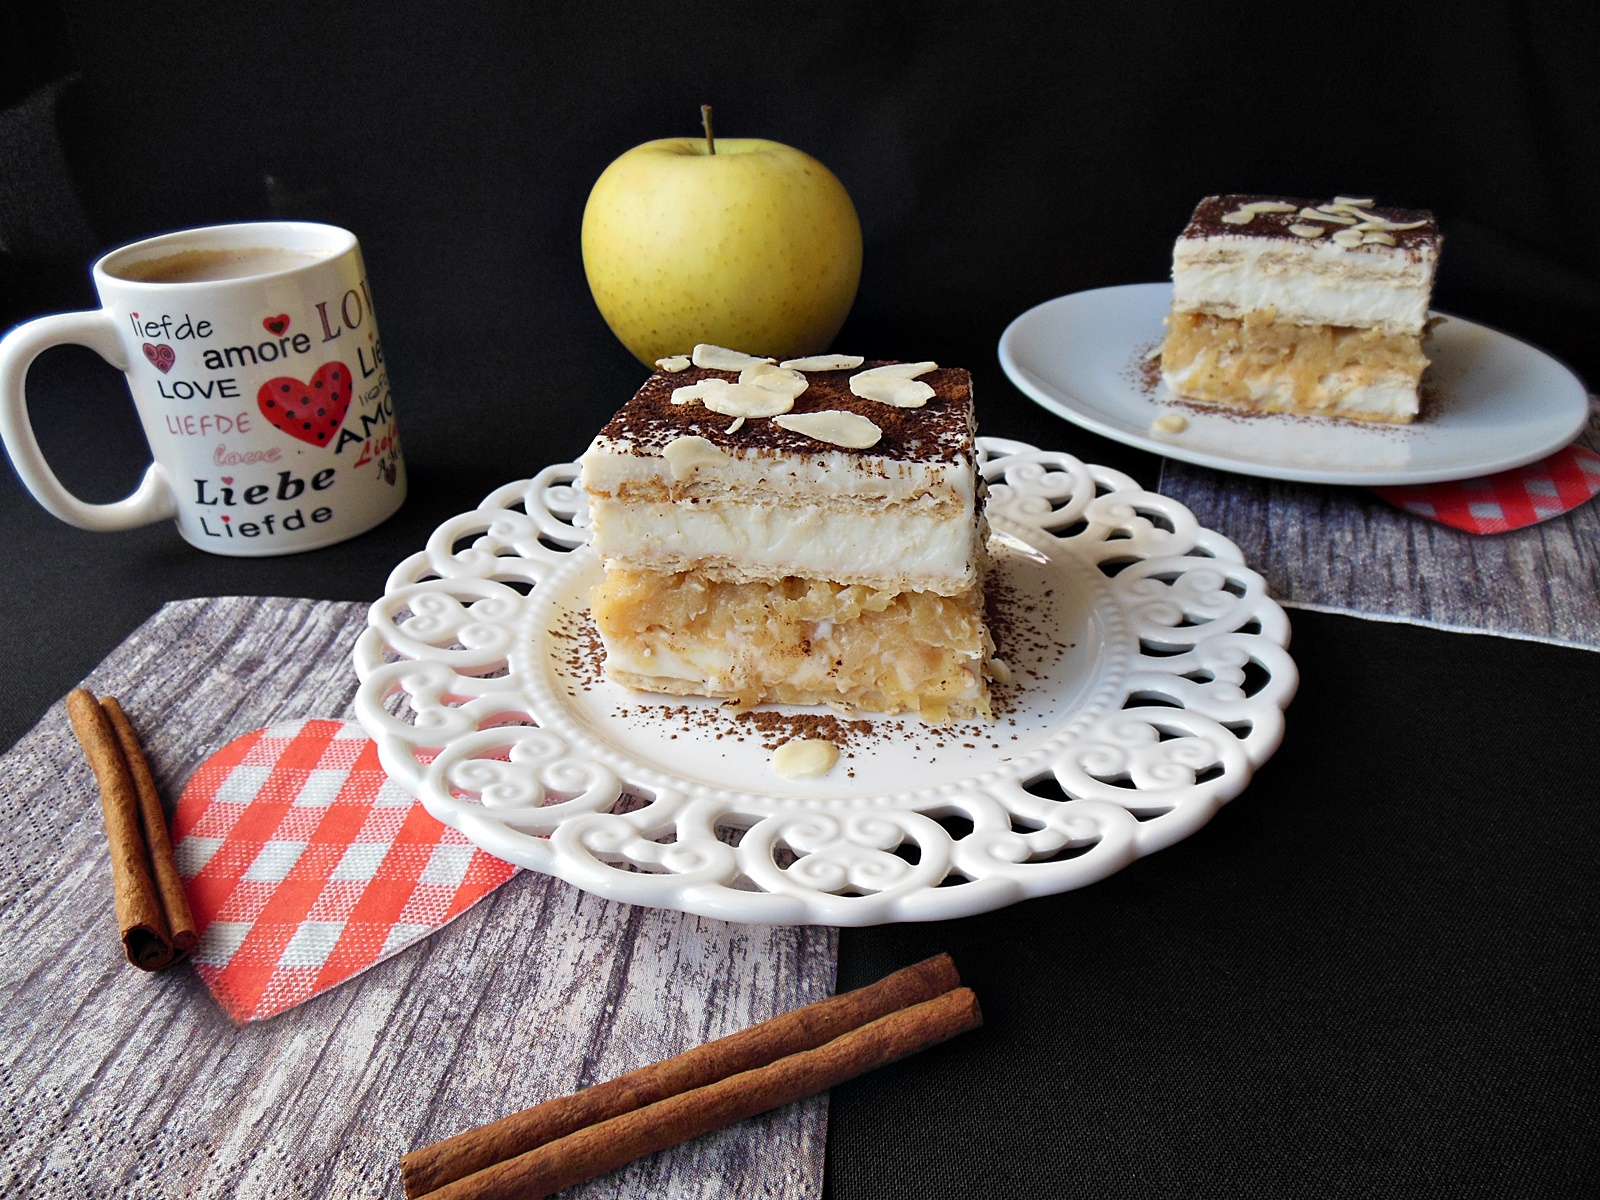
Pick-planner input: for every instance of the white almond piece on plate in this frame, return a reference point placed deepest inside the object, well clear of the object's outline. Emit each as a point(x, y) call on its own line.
point(775, 379)
point(824, 362)
point(805, 759)
point(1169, 423)
point(673, 363)
point(687, 454)
point(747, 400)
point(900, 393)
point(832, 425)
point(738, 424)
point(720, 358)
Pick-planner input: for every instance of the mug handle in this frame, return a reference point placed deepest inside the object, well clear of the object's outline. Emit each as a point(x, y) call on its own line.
point(152, 500)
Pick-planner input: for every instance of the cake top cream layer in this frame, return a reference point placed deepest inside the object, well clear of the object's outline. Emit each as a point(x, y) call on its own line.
point(1381, 228)
point(919, 448)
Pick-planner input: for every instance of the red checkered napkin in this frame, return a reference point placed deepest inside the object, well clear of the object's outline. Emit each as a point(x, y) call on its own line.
point(1510, 499)
point(305, 865)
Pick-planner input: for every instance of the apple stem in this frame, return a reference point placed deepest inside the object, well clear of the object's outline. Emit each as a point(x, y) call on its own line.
point(705, 119)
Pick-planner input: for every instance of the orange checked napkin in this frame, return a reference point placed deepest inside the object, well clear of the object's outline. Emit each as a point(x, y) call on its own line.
point(305, 865)
point(1507, 500)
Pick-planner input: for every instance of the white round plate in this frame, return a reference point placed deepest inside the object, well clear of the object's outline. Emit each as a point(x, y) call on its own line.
point(1494, 402)
point(1149, 681)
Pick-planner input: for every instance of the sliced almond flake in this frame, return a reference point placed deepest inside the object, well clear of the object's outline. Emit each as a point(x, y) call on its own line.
point(747, 400)
point(1374, 221)
point(720, 358)
point(1377, 239)
point(1307, 231)
point(1266, 206)
point(734, 399)
point(1316, 214)
point(673, 363)
point(805, 759)
point(1169, 423)
point(1155, 351)
point(1347, 237)
point(824, 362)
point(738, 424)
point(896, 371)
point(1238, 218)
point(898, 393)
point(847, 429)
point(687, 454)
point(894, 383)
point(998, 670)
point(775, 379)
point(1353, 201)
point(690, 392)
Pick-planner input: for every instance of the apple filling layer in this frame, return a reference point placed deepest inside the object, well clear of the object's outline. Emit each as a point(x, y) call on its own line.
point(1268, 365)
point(796, 641)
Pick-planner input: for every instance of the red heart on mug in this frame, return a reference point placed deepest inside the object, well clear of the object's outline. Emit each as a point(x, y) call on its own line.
point(311, 412)
point(276, 325)
point(161, 355)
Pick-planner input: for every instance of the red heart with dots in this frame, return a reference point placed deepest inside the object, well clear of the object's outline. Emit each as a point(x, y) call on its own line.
point(311, 412)
point(276, 325)
point(161, 355)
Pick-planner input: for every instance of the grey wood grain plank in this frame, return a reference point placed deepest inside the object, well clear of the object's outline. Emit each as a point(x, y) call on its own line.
point(1345, 550)
point(116, 1083)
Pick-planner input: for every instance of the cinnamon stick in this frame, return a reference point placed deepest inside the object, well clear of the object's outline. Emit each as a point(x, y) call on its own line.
point(145, 936)
point(599, 1148)
point(433, 1167)
point(157, 838)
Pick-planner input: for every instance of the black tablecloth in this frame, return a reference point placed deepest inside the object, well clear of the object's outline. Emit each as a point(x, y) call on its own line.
point(1375, 972)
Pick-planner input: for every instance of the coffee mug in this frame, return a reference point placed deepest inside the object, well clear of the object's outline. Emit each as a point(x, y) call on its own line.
point(253, 356)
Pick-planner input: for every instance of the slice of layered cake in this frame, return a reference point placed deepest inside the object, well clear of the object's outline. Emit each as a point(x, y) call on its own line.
point(809, 532)
point(1284, 305)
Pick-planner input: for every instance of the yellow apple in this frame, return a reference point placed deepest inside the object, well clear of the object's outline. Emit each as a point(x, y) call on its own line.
point(755, 247)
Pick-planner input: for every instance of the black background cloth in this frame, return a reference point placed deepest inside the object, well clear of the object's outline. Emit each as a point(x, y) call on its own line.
point(1374, 973)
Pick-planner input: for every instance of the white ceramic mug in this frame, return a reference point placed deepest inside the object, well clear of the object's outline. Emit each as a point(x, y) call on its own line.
point(253, 356)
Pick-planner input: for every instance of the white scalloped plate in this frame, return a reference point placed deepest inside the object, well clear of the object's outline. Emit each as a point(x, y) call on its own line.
point(1150, 681)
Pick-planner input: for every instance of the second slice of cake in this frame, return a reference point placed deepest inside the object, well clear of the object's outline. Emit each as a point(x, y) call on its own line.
point(1296, 306)
point(786, 557)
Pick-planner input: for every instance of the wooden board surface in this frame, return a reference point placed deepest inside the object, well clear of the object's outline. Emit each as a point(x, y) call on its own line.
point(1345, 550)
point(118, 1083)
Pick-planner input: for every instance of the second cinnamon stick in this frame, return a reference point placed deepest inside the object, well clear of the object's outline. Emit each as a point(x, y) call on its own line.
point(594, 1150)
point(432, 1167)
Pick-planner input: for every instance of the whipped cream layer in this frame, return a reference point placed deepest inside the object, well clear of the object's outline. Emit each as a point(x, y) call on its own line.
point(1312, 283)
point(920, 547)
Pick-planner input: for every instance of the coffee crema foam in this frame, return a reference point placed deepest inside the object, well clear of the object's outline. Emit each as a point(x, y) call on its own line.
point(211, 265)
